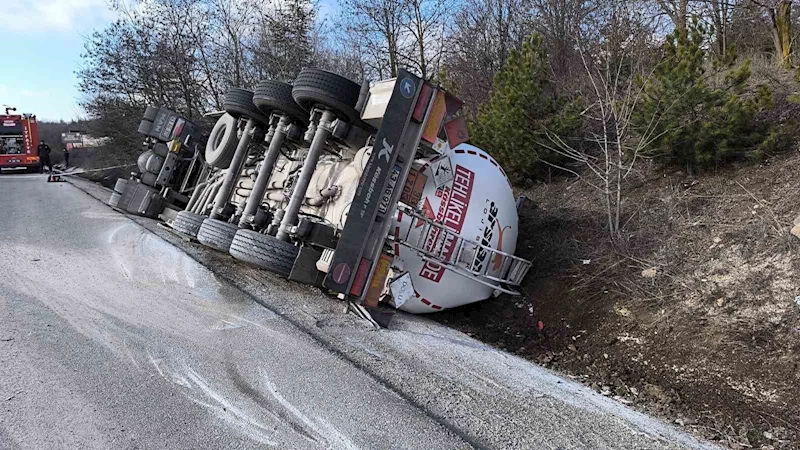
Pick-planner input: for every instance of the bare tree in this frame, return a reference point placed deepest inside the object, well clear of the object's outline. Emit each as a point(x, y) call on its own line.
point(424, 23)
point(333, 53)
point(181, 54)
point(140, 61)
point(376, 28)
point(284, 39)
point(779, 13)
point(612, 147)
point(677, 11)
point(721, 15)
point(558, 22)
point(231, 23)
point(485, 32)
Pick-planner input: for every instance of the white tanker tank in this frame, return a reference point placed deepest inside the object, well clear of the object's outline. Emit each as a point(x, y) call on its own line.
point(458, 238)
point(463, 252)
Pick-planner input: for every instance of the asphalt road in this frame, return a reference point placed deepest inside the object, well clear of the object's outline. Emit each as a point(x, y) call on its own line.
point(115, 334)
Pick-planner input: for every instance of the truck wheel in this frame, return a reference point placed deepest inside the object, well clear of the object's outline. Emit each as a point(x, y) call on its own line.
point(239, 102)
point(144, 127)
point(141, 161)
point(222, 142)
point(150, 113)
point(217, 234)
point(275, 96)
point(318, 87)
point(188, 223)
point(154, 163)
point(264, 251)
point(116, 195)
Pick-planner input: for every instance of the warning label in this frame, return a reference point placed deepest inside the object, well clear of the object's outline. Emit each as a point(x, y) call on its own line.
point(452, 213)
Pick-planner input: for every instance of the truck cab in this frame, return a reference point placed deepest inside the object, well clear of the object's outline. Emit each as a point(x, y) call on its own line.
point(19, 134)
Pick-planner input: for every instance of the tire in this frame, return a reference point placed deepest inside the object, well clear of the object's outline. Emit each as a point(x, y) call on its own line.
point(188, 223)
point(264, 251)
point(141, 161)
point(154, 163)
point(144, 127)
point(318, 87)
point(119, 186)
point(239, 103)
point(275, 96)
point(217, 234)
point(222, 142)
point(150, 162)
point(114, 200)
point(150, 113)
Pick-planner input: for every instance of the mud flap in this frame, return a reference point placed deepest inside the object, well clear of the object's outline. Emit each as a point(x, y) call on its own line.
point(305, 269)
point(379, 317)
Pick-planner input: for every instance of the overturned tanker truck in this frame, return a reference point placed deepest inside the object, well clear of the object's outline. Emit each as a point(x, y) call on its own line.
point(364, 190)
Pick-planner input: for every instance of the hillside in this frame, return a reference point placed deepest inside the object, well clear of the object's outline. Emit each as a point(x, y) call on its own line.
point(693, 317)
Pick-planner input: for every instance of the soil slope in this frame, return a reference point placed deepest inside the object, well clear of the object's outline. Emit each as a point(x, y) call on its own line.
point(692, 315)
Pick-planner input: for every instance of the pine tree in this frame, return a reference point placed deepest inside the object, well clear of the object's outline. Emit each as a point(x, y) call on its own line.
point(704, 117)
point(513, 125)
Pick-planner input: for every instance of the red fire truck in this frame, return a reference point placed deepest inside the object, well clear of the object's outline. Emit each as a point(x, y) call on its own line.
point(19, 137)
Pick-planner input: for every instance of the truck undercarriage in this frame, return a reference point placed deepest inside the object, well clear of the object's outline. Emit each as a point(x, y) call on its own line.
point(368, 191)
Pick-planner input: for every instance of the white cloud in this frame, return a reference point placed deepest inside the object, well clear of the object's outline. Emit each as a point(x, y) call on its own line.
point(51, 15)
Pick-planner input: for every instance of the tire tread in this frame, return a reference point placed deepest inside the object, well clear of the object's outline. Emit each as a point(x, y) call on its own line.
point(239, 102)
point(188, 223)
point(264, 251)
point(217, 234)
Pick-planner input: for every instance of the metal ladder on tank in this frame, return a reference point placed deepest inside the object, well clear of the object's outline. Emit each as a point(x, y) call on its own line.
point(441, 246)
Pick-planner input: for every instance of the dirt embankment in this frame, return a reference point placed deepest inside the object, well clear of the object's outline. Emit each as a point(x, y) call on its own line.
point(694, 316)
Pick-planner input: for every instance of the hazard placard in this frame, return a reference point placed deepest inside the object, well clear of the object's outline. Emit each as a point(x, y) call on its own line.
point(402, 290)
point(442, 171)
point(412, 190)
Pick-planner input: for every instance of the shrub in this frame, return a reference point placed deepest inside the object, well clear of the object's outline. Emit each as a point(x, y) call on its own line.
point(512, 125)
point(703, 118)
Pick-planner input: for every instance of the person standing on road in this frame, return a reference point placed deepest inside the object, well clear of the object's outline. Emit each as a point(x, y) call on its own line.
point(66, 157)
point(44, 157)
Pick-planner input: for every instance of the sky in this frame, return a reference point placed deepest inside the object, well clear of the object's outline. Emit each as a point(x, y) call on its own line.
point(43, 41)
